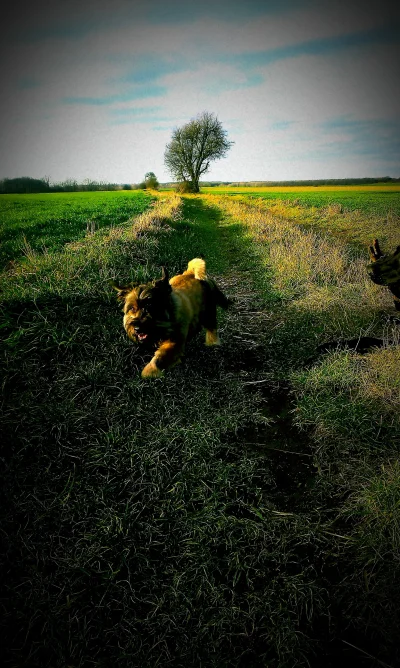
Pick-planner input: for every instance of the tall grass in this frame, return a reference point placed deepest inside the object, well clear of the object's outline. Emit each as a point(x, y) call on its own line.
point(312, 271)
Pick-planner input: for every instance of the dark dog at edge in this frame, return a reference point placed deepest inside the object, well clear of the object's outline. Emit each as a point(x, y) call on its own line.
point(166, 313)
point(385, 270)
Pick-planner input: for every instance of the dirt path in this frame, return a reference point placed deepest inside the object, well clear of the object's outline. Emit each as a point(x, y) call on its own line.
point(247, 353)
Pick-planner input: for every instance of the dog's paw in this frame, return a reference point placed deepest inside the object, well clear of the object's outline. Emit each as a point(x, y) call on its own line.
point(212, 338)
point(151, 370)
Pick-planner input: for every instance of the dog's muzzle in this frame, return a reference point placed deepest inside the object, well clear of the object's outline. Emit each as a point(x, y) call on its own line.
point(141, 336)
point(136, 329)
point(140, 328)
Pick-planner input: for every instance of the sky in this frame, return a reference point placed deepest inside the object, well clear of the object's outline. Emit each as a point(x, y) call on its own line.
point(93, 89)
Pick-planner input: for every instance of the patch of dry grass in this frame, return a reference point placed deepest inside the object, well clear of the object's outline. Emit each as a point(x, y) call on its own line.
point(160, 215)
point(316, 271)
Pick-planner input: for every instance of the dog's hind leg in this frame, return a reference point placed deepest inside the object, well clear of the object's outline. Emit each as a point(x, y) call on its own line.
point(220, 298)
point(210, 324)
point(213, 298)
point(212, 338)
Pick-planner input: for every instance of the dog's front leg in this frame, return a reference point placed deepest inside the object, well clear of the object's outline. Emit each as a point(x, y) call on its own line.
point(167, 355)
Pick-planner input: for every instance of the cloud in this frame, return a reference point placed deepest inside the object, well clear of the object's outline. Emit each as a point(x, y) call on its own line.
point(28, 82)
point(281, 125)
point(181, 11)
point(371, 138)
point(134, 111)
point(387, 34)
point(134, 115)
point(139, 93)
point(147, 67)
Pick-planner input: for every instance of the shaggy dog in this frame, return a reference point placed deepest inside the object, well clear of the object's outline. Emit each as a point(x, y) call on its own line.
point(166, 313)
point(385, 270)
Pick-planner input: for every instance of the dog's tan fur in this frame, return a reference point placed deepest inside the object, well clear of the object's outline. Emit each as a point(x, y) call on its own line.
point(168, 313)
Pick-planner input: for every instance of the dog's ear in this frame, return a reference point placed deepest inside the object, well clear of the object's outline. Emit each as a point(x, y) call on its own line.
point(122, 290)
point(163, 282)
point(375, 252)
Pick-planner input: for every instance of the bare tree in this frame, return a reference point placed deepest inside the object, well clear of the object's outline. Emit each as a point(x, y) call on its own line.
point(193, 147)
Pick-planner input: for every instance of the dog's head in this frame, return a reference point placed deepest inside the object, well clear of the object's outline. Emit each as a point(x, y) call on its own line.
point(147, 308)
point(386, 269)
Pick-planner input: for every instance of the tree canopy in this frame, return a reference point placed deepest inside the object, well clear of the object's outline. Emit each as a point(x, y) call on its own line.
point(193, 147)
point(151, 181)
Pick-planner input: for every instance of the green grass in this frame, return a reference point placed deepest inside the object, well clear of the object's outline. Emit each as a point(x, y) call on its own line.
point(46, 222)
point(367, 199)
point(240, 511)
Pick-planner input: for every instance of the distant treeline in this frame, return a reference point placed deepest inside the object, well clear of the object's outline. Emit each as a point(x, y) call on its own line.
point(309, 182)
point(26, 184)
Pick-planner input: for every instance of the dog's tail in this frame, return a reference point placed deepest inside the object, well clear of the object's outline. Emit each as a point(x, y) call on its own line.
point(197, 266)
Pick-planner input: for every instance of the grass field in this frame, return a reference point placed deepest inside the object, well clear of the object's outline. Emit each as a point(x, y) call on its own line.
point(378, 200)
point(46, 222)
point(245, 509)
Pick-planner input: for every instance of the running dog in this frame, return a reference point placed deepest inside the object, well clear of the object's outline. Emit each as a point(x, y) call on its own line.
point(166, 313)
